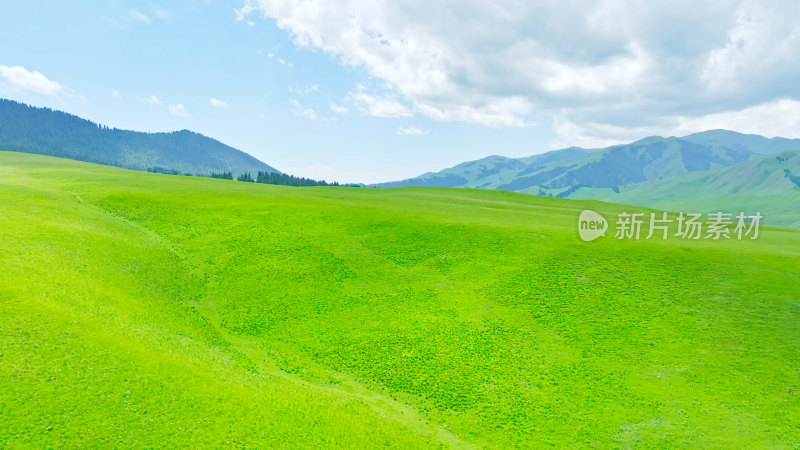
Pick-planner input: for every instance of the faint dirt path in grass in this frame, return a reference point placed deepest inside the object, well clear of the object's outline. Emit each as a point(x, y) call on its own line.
point(153, 236)
point(348, 387)
point(250, 347)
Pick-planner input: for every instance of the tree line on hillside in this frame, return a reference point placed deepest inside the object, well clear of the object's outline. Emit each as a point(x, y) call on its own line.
point(278, 178)
point(166, 171)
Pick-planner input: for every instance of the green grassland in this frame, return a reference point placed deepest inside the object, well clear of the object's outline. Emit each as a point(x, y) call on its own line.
point(145, 310)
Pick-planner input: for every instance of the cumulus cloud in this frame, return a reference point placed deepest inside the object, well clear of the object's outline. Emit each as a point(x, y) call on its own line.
point(217, 103)
point(18, 79)
point(378, 105)
point(146, 16)
point(152, 100)
point(339, 109)
point(609, 67)
point(771, 119)
point(139, 16)
point(178, 110)
point(299, 110)
point(778, 118)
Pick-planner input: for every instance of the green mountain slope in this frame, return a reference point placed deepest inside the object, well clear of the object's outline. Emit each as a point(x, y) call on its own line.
point(147, 310)
point(770, 185)
point(489, 172)
point(563, 171)
point(47, 132)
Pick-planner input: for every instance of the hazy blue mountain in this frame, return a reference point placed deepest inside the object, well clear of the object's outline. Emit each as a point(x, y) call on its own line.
point(750, 142)
point(770, 185)
point(490, 172)
point(41, 130)
point(562, 172)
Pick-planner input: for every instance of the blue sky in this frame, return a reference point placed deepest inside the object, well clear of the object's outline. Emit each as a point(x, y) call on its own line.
point(377, 91)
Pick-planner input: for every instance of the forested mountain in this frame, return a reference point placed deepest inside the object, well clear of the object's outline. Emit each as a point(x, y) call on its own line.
point(45, 131)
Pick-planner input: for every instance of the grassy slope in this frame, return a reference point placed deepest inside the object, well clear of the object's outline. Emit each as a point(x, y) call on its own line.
point(760, 185)
point(143, 309)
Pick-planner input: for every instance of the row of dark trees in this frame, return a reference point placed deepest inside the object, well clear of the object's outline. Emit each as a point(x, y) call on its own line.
point(166, 171)
point(277, 178)
point(289, 180)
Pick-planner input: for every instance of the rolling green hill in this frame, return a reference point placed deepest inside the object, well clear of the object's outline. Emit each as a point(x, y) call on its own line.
point(147, 310)
point(44, 131)
point(770, 185)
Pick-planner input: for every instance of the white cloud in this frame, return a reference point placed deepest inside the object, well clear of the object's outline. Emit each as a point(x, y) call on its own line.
point(759, 52)
point(298, 110)
point(595, 135)
point(776, 118)
point(18, 79)
point(115, 93)
point(411, 131)
point(152, 100)
point(338, 109)
point(613, 67)
point(147, 17)
point(378, 106)
point(217, 103)
point(178, 110)
point(138, 16)
point(503, 113)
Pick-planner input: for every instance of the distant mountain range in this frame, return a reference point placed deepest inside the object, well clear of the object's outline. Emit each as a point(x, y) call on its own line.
point(44, 131)
point(707, 171)
point(703, 172)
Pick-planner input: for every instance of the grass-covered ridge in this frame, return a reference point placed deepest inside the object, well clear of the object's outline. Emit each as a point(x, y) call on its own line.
point(146, 309)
